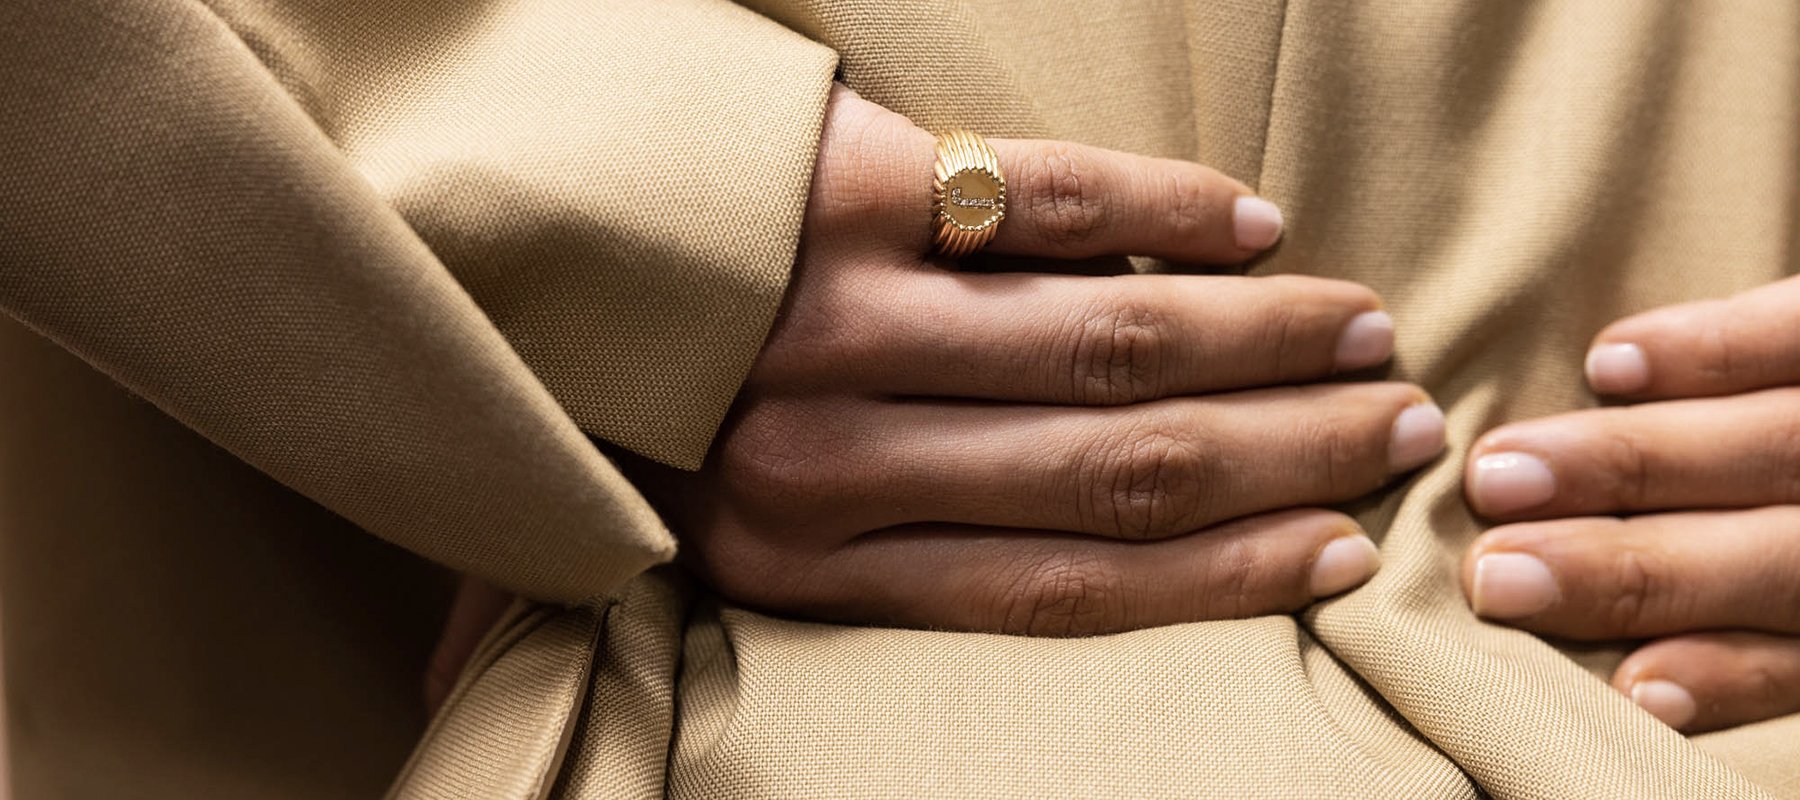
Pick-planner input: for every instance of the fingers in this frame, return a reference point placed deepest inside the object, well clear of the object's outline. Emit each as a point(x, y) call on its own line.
point(1071, 201)
point(1606, 578)
point(1054, 585)
point(1145, 471)
point(1163, 468)
point(1707, 681)
point(1709, 453)
point(1706, 348)
point(1075, 340)
point(1063, 200)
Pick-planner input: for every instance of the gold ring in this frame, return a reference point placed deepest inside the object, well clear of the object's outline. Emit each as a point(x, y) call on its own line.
point(968, 195)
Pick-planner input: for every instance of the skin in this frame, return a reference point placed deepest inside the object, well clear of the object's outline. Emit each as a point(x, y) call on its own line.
point(1036, 453)
point(1119, 418)
point(1673, 516)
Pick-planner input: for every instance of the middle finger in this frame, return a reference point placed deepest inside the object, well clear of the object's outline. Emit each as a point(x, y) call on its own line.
point(1728, 452)
point(1145, 471)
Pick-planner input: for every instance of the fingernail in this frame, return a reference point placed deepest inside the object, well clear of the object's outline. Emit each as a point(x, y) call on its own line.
point(1512, 585)
point(1508, 482)
point(1418, 437)
point(1367, 340)
point(1617, 369)
point(1666, 701)
point(1346, 562)
point(1255, 222)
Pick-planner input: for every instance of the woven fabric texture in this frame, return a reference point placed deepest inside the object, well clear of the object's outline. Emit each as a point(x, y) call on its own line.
point(405, 257)
point(1510, 178)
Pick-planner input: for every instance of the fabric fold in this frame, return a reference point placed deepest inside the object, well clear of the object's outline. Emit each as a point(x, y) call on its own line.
point(561, 159)
point(174, 217)
point(505, 729)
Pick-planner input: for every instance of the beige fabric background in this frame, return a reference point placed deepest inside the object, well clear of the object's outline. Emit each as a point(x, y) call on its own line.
point(392, 260)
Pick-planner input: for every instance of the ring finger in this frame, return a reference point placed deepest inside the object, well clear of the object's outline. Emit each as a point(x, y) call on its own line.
point(1076, 340)
point(1073, 201)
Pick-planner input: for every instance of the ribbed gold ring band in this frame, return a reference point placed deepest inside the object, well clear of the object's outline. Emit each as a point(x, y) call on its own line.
point(968, 195)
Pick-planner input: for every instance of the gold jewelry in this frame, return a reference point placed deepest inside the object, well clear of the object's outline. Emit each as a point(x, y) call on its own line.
point(968, 195)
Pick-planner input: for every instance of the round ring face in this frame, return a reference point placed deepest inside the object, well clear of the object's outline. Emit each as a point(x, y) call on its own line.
point(974, 199)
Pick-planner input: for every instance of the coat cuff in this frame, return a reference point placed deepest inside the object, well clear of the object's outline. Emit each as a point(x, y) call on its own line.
point(619, 185)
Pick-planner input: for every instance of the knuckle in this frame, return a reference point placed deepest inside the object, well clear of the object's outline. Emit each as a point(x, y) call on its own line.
point(1638, 597)
point(1779, 599)
point(1713, 355)
point(1191, 207)
point(1062, 201)
point(1234, 573)
point(1782, 455)
point(1066, 595)
point(1300, 320)
point(1631, 465)
point(1147, 487)
point(1342, 455)
point(1765, 688)
point(1280, 328)
point(1118, 356)
point(1725, 353)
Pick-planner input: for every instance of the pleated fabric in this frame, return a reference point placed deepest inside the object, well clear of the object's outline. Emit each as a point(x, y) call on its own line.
point(404, 257)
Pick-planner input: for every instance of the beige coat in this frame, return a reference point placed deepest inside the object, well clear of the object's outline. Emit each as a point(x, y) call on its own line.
point(382, 267)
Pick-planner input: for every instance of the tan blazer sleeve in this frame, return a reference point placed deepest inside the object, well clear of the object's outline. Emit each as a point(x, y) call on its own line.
point(402, 255)
point(619, 184)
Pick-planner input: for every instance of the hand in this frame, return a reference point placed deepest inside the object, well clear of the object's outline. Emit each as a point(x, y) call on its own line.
point(1044, 453)
point(1035, 453)
point(1711, 448)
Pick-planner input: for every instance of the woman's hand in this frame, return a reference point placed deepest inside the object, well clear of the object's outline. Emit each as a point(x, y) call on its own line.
point(1036, 453)
point(1707, 459)
point(1045, 453)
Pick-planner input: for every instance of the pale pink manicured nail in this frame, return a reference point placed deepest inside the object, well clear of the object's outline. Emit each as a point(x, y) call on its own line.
point(1255, 222)
point(1617, 369)
point(1344, 563)
point(1512, 585)
point(1418, 437)
point(1508, 482)
point(1665, 700)
point(1367, 340)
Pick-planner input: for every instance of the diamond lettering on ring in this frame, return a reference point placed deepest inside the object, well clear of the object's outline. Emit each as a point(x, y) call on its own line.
point(968, 194)
point(957, 199)
point(973, 199)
